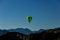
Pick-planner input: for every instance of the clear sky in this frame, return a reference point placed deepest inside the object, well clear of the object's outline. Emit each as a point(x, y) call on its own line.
point(45, 13)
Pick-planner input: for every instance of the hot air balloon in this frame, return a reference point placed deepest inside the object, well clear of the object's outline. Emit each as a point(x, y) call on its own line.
point(29, 19)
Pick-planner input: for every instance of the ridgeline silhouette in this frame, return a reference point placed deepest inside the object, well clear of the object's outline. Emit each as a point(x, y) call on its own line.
point(51, 34)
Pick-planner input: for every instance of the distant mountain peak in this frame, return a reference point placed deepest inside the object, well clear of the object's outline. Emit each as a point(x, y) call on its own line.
point(25, 30)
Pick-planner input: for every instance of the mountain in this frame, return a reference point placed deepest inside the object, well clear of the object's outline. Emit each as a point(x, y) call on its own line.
point(3, 32)
point(21, 30)
point(41, 30)
point(25, 31)
point(57, 29)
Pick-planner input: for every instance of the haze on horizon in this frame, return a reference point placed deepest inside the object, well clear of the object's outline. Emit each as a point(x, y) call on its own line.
point(45, 13)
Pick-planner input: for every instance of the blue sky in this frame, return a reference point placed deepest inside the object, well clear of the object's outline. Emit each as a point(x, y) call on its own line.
point(45, 13)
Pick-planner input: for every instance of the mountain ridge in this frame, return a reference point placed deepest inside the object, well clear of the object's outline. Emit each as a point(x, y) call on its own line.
point(25, 31)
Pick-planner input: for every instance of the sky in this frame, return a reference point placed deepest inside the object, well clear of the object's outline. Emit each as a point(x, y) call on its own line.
point(45, 14)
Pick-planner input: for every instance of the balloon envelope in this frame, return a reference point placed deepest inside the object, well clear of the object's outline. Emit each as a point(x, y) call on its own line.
point(29, 19)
